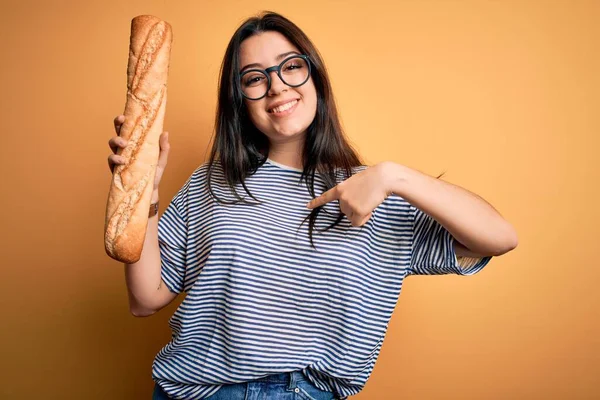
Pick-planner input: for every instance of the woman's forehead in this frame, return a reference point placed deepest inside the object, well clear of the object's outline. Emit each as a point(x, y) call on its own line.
point(265, 48)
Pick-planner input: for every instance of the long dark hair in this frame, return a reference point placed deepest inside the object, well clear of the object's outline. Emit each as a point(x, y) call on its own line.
point(242, 148)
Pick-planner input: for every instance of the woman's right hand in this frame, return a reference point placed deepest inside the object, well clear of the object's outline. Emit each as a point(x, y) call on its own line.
point(117, 142)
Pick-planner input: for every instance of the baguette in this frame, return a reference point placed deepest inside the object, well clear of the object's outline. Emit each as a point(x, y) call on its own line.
point(132, 183)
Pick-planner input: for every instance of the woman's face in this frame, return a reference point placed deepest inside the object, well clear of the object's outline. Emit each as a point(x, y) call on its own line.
point(265, 49)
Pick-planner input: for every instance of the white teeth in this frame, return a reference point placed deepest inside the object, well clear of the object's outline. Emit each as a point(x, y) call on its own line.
point(284, 107)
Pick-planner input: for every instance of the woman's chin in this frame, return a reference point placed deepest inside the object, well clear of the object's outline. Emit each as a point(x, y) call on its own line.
point(288, 133)
point(288, 130)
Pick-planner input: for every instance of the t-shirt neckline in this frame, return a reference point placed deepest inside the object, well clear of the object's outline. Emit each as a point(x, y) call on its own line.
point(283, 166)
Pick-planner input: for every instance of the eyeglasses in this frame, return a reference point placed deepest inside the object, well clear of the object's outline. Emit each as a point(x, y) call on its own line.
point(294, 71)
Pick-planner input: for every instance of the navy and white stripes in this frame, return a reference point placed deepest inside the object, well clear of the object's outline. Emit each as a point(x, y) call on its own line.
point(260, 300)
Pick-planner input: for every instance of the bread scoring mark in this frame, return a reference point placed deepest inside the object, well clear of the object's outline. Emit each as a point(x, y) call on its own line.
point(139, 99)
point(139, 133)
point(154, 41)
point(120, 218)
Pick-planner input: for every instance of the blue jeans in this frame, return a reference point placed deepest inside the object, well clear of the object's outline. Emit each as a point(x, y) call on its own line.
point(284, 386)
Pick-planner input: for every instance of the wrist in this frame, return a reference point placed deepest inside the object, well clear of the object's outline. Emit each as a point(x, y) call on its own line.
point(154, 197)
point(395, 177)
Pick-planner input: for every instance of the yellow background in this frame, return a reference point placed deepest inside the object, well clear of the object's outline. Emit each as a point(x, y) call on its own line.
point(502, 95)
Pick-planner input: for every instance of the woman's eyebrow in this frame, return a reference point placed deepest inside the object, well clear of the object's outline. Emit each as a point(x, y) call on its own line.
point(279, 57)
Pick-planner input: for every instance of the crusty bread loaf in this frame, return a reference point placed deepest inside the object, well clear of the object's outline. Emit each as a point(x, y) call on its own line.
point(132, 183)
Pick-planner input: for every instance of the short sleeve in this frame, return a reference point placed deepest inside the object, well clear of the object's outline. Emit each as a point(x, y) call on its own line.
point(433, 249)
point(172, 240)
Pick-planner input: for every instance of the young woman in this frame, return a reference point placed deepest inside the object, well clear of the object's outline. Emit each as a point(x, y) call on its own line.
point(277, 308)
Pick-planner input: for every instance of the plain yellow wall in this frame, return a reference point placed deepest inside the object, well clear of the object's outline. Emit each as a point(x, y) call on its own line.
point(502, 95)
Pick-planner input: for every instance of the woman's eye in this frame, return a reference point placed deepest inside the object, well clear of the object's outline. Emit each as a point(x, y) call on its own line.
point(292, 66)
point(253, 80)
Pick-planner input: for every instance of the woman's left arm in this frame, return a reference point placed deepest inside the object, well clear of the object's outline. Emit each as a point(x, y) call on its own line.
point(478, 228)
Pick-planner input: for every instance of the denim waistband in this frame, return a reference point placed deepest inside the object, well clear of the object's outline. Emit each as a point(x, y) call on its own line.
point(284, 377)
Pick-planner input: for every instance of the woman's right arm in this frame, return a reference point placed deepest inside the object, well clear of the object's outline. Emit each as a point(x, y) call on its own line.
point(147, 292)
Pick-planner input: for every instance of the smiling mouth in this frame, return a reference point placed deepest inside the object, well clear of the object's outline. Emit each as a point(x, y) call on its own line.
point(283, 107)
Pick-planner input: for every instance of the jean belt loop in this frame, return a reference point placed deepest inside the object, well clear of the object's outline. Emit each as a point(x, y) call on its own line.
point(292, 380)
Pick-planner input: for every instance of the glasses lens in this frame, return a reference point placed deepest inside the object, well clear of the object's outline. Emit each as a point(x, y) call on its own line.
point(254, 84)
point(295, 71)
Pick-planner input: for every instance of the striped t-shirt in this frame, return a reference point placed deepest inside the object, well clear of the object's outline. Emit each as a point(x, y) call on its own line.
point(260, 300)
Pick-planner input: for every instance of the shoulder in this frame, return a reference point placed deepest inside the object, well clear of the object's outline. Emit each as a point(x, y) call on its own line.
point(203, 172)
point(195, 182)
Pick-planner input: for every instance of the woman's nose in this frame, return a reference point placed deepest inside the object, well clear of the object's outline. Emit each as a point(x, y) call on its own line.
point(277, 85)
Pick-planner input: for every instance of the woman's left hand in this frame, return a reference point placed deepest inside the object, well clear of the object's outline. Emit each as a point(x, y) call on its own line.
point(360, 194)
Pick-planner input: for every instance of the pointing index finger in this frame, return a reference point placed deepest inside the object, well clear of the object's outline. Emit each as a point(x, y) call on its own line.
point(325, 198)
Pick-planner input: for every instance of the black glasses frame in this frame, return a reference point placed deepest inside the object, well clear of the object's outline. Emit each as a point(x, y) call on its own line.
point(276, 68)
